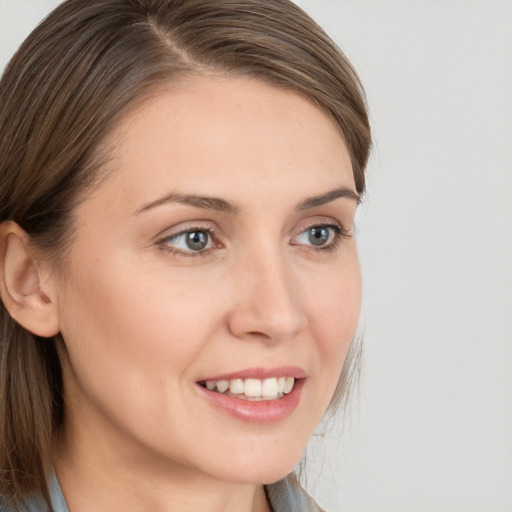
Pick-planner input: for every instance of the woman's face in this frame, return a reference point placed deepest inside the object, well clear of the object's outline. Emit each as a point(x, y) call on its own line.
point(218, 253)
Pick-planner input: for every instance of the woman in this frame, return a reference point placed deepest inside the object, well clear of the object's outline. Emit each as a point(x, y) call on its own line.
point(179, 280)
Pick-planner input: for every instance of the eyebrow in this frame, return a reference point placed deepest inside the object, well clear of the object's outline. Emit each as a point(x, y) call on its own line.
point(221, 205)
point(342, 192)
point(208, 203)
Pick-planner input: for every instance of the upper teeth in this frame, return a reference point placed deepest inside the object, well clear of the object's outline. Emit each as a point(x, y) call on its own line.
point(254, 389)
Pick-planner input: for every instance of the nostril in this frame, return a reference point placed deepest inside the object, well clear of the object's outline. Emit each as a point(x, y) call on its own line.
point(258, 334)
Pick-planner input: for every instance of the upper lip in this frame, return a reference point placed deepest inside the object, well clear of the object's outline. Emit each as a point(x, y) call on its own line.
point(260, 373)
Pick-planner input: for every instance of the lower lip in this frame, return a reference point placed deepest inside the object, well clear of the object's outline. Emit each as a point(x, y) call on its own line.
point(265, 411)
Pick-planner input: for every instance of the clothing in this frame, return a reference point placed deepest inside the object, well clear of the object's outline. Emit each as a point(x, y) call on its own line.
point(284, 496)
point(288, 496)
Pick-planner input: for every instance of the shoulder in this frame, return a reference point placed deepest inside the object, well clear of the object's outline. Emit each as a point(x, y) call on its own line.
point(31, 505)
point(35, 503)
point(287, 495)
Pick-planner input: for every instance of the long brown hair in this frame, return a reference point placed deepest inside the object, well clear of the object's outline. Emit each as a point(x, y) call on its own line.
point(73, 78)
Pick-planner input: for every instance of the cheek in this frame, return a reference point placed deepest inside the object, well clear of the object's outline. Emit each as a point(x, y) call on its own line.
point(335, 307)
point(132, 329)
point(133, 340)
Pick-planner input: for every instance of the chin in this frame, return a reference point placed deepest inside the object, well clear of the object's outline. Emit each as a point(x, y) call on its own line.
point(259, 476)
point(265, 467)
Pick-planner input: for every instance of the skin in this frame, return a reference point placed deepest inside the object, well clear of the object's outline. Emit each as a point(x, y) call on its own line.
point(144, 318)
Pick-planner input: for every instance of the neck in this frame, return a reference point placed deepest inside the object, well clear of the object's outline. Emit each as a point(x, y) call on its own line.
point(114, 479)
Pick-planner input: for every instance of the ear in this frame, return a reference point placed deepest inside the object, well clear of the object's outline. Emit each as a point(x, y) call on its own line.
point(27, 291)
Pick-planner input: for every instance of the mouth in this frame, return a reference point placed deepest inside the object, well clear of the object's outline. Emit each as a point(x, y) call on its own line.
point(255, 395)
point(254, 390)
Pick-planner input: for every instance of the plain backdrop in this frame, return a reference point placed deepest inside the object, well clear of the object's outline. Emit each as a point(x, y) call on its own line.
point(432, 428)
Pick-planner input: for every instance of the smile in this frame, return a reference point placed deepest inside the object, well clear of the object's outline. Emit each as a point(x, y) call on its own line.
point(255, 395)
point(272, 388)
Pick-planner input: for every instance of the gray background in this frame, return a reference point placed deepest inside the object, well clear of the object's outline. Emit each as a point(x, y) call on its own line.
point(432, 429)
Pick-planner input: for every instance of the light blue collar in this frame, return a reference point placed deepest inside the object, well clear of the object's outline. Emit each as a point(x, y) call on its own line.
point(58, 502)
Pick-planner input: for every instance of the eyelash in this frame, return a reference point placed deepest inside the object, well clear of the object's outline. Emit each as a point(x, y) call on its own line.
point(339, 233)
point(163, 243)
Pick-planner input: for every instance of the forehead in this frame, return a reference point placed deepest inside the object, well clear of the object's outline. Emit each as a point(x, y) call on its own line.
point(211, 132)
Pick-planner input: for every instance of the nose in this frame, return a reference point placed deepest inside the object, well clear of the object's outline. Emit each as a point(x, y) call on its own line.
point(267, 300)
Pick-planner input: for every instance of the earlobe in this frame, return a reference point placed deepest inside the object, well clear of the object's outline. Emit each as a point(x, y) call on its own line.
point(27, 297)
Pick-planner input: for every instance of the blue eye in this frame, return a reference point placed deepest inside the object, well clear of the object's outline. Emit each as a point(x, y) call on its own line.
point(319, 236)
point(322, 237)
point(194, 240)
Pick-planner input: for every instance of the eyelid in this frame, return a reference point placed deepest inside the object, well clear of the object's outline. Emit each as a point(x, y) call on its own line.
point(340, 232)
point(162, 240)
point(325, 222)
point(185, 227)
